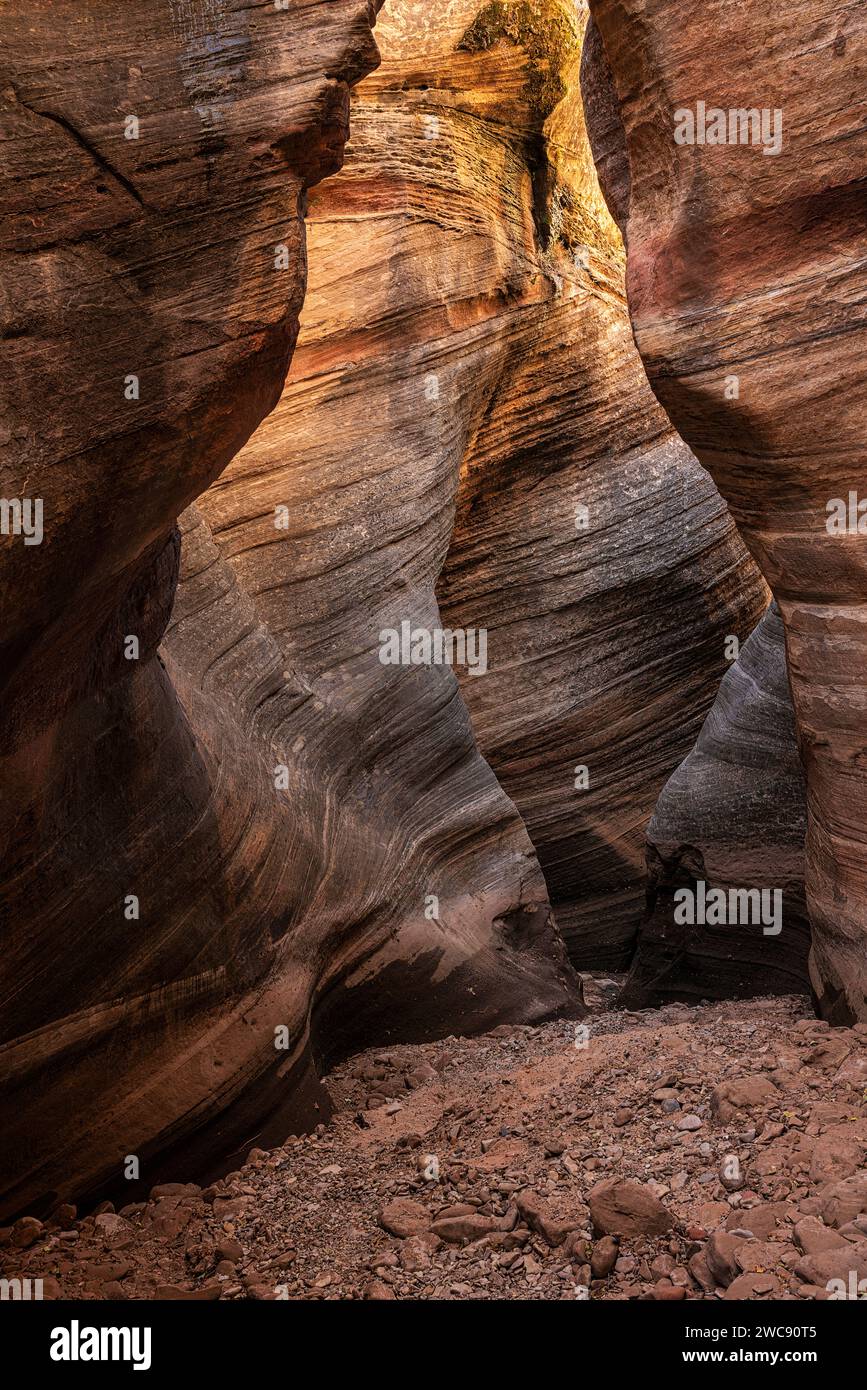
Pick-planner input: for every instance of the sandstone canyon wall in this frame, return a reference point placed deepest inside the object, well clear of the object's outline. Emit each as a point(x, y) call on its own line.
point(746, 277)
point(198, 848)
point(235, 842)
point(466, 359)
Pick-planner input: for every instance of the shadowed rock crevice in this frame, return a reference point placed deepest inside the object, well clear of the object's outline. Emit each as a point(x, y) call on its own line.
point(732, 817)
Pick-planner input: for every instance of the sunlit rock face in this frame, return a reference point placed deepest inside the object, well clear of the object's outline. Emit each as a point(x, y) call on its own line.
point(588, 541)
point(732, 818)
point(467, 390)
point(746, 280)
point(214, 871)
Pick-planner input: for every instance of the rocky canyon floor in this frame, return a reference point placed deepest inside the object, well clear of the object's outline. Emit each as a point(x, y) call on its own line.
point(677, 1153)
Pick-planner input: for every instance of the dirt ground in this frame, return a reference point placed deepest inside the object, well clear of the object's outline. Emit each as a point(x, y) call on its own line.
point(697, 1153)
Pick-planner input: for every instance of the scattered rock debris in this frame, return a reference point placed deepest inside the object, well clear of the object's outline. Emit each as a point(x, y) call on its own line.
point(529, 1163)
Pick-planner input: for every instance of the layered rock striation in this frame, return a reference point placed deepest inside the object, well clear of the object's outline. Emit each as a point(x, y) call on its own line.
point(247, 823)
point(740, 186)
point(215, 868)
point(466, 355)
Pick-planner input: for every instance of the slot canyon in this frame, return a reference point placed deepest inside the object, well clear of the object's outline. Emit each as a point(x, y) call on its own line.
point(433, 659)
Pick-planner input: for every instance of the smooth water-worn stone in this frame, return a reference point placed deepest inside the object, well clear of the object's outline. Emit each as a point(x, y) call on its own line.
point(215, 859)
point(746, 282)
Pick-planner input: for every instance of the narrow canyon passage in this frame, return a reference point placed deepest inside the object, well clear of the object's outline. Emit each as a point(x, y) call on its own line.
point(431, 797)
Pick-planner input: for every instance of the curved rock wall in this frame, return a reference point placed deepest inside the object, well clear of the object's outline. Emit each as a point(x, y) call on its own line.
point(236, 840)
point(197, 846)
point(732, 817)
point(465, 354)
point(746, 286)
